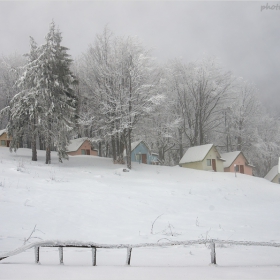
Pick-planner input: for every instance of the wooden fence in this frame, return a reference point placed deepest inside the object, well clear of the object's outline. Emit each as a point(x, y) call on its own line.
point(129, 247)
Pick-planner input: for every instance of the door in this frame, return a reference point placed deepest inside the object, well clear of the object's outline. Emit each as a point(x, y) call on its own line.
point(8, 143)
point(214, 164)
point(242, 169)
point(144, 158)
point(88, 152)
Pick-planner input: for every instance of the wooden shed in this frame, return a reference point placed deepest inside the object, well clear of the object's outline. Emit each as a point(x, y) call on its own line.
point(80, 146)
point(274, 174)
point(4, 139)
point(237, 160)
point(141, 153)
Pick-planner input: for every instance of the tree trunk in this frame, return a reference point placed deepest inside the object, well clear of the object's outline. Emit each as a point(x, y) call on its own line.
point(201, 136)
point(180, 143)
point(128, 148)
point(100, 149)
point(48, 144)
point(33, 142)
point(118, 148)
point(113, 140)
point(34, 148)
point(48, 154)
point(239, 138)
point(122, 148)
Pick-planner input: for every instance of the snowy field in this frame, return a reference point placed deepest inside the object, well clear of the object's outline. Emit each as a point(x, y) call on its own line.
point(91, 199)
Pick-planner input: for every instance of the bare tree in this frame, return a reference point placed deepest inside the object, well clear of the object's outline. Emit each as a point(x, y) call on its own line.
point(201, 89)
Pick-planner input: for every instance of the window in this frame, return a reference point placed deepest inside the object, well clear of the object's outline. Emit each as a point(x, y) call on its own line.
point(237, 168)
point(209, 162)
point(85, 152)
point(3, 143)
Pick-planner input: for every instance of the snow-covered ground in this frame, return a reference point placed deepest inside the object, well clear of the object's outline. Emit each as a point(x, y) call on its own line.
point(90, 199)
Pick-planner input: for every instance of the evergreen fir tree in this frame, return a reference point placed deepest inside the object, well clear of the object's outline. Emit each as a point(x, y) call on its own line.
point(24, 105)
point(46, 101)
point(55, 81)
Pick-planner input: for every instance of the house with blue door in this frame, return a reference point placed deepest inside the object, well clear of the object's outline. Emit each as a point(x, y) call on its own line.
point(141, 153)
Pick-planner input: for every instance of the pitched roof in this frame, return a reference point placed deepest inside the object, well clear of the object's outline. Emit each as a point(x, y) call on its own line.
point(272, 173)
point(75, 144)
point(275, 170)
point(134, 145)
point(197, 153)
point(230, 158)
point(2, 131)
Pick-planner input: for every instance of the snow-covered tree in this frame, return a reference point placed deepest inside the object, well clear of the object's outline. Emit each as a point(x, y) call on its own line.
point(45, 102)
point(265, 152)
point(54, 81)
point(10, 69)
point(121, 88)
point(201, 89)
point(22, 107)
point(243, 117)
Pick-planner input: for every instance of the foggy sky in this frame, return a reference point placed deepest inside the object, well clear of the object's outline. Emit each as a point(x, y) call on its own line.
point(244, 38)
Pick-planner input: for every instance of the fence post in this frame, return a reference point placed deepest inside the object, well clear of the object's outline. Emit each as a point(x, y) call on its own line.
point(60, 249)
point(213, 253)
point(128, 256)
point(37, 252)
point(94, 256)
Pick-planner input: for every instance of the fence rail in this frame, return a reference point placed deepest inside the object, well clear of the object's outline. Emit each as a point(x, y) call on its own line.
point(94, 246)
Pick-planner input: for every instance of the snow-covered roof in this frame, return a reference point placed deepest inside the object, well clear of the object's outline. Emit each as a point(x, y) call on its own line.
point(230, 157)
point(275, 170)
point(134, 145)
point(272, 173)
point(75, 144)
point(197, 153)
point(2, 131)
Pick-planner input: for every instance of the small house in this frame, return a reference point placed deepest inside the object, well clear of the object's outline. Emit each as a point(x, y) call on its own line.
point(80, 146)
point(274, 174)
point(141, 153)
point(236, 161)
point(204, 157)
point(4, 139)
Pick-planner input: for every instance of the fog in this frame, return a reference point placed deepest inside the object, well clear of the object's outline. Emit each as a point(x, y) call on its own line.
point(245, 36)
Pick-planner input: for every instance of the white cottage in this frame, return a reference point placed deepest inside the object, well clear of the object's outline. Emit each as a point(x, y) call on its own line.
point(274, 174)
point(204, 157)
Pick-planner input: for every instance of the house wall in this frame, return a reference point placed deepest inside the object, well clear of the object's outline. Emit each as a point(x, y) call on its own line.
point(193, 165)
point(202, 165)
point(5, 138)
point(240, 160)
point(87, 146)
point(276, 179)
point(212, 154)
point(143, 149)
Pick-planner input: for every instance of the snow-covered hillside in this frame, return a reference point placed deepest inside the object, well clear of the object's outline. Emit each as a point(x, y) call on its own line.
point(91, 199)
